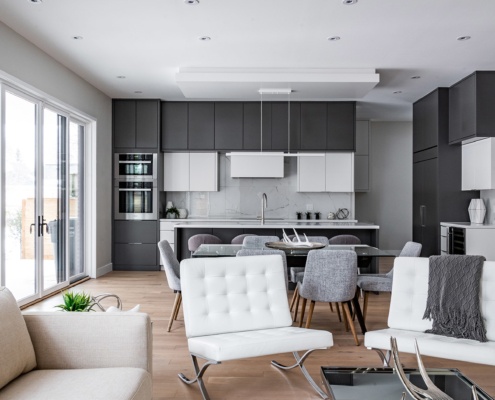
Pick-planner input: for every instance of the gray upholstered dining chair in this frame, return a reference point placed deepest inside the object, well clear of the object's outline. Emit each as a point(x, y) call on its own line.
point(240, 238)
point(383, 282)
point(330, 277)
point(201, 238)
point(172, 271)
point(265, 252)
point(258, 242)
point(344, 239)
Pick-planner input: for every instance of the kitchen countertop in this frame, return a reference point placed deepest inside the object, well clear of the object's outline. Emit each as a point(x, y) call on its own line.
point(468, 225)
point(279, 224)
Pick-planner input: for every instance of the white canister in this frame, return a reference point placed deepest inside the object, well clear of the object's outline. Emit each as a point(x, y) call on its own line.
point(182, 213)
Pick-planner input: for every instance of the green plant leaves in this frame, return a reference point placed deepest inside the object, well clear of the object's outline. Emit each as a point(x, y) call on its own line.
point(77, 302)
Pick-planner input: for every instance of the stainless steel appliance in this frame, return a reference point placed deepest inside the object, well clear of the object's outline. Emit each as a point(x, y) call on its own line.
point(135, 166)
point(136, 200)
point(466, 238)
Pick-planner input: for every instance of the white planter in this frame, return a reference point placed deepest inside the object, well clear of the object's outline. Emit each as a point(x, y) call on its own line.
point(477, 211)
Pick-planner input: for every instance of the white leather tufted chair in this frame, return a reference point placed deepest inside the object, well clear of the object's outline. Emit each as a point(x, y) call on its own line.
point(238, 308)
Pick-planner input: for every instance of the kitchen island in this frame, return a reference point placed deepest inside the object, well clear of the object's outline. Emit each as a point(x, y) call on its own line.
point(226, 230)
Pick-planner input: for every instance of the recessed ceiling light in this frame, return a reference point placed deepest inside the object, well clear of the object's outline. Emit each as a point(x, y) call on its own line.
point(416, 77)
point(191, 2)
point(205, 38)
point(462, 38)
point(333, 38)
point(349, 2)
point(120, 76)
point(36, 1)
point(398, 92)
point(138, 91)
point(77, 37)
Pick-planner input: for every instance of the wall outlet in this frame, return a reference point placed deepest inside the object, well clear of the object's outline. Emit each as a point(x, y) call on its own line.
point(309, 207)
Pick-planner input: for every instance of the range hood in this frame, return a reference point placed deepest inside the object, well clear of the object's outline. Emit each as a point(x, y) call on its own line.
point(256, 164)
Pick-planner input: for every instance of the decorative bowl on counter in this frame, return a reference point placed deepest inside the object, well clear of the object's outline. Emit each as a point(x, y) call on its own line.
point(284, 246)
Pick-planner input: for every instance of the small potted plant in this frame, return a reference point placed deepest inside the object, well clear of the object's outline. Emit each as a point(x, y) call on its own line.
point(298, 214)
point(172, 211)
point(78, 302)
point(317, 214)
point(308, 214)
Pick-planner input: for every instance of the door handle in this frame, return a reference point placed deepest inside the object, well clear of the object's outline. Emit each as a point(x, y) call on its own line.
point(41, 224)
point(31, 228)
point(422, 214)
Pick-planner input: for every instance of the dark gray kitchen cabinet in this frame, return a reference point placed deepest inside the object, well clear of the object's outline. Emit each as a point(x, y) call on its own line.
point(280, 126)
point(341, 126)
point(174, 125)
point(313, 126)
point(135, 245)
point(136, 124)
point(252, 128)
point(201, 122)
point(437, 179)
point(471, 113)
point(228, 125)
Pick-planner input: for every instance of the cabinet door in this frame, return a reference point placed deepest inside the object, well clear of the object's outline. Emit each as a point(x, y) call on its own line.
point(311, 174)
point(252, 131)
point(431, 228)
point(174, 126)
point(469, 161)
point(147, 123)
point(203, 172)
point(281, 130)
point(228, 126)
point(339, 170)
point(176, 172)
point(462, 110)
point(417, 202)
point(313, 126)
point(426, 122)
point(135, 231)
point(362, 138)
point(361, 173)
point(341, 129)
point(124, 123)
point(201, 122)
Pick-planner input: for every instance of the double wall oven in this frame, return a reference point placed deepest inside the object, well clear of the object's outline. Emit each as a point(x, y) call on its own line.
point(135, 186)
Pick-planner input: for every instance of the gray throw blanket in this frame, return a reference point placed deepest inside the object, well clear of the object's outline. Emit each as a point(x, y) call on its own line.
point(453, 297)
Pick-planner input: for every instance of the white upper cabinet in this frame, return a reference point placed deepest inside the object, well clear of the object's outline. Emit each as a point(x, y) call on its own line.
point(332, 173)
point(190, 172)
point(478, 163)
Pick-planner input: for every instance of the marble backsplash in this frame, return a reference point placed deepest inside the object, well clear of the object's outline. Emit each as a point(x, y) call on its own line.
point(241, 198)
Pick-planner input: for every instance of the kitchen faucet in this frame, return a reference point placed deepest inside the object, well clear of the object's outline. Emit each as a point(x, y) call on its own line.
point(264, 202)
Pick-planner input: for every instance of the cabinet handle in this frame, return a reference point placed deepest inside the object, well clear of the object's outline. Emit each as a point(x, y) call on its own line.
point(422, 213)
point(134, 243)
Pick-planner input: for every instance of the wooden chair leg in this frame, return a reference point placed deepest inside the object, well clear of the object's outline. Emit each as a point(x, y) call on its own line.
point(293, 300)
point(303, 309)
point(296, 307)
point(331, 307)
point(338, 311)
point(174, 310)
point(310, 313)
point(347, 312)
point(178, 306)
point(365, 305)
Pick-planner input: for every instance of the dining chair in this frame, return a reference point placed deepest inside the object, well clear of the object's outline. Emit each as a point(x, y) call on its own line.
point(258, 242)
point(237, 308)
point(201, 238)
point(383, 282)
point(172, 272)
point(240, 238)
point(344, 239)
point(330, 277)
point(264, 252)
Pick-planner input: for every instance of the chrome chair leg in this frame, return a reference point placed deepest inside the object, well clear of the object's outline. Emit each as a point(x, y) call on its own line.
point(199, 375)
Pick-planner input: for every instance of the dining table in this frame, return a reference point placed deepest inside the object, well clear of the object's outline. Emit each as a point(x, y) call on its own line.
point(296, 256)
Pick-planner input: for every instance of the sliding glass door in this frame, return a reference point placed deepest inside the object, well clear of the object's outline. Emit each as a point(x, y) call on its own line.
point(42, 209)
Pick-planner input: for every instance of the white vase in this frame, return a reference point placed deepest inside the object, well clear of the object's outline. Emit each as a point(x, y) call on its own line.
point(477, 211)
point(182, 213)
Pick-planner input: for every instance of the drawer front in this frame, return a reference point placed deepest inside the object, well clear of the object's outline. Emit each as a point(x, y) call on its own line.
point(443, 243)
point(168, 236)
point(136, 232)
point(136, 254)
point(443, 230)
point(167, 226)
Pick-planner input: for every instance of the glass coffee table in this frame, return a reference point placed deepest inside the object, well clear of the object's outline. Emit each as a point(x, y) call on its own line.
point(348, 383)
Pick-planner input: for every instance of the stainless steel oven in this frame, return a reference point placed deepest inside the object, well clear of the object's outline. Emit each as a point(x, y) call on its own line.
point(136, 200)
point(135, 166)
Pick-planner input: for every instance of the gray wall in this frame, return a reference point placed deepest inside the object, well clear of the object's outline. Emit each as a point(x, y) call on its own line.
point(488, 197)
point(389, 201)
point(26, 62)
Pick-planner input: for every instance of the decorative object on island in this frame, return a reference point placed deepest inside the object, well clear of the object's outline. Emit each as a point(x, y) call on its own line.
point(317, 214)
point(172, 212)
point(308, 214)
point(182, 213)
point(331, 215)
point(477, 211)
point(342, 213)
point(298, 214)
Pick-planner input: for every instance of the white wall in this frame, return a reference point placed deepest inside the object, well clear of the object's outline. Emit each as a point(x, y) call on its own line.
point(389, 201)
point(24, 61)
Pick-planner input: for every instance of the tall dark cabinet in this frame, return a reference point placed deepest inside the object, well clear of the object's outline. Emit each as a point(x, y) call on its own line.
point(437, 195)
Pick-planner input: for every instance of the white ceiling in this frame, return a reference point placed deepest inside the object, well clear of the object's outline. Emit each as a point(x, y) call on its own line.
point(150, 41)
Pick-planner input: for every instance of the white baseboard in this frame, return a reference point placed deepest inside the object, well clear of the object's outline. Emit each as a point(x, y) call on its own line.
point(104, 270)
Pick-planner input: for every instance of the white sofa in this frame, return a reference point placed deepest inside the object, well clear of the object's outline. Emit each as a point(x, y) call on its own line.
point(58, 355)
point(405, 319)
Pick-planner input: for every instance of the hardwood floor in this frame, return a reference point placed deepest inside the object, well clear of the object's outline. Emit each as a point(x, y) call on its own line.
point(250, 378)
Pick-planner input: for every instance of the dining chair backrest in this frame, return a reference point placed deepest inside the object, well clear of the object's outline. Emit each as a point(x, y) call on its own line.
point(330, 276)
point(258, 242)
point(239, 239)
point(265, 252)
point(202, 238)
point(344, 239)
point(410, 249)
point(170, 264)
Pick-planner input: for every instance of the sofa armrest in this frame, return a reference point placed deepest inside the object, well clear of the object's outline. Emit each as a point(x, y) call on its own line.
point(70, 340)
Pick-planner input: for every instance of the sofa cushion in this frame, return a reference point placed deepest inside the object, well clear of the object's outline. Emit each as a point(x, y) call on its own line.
point(16, 350)
point(81, 384)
